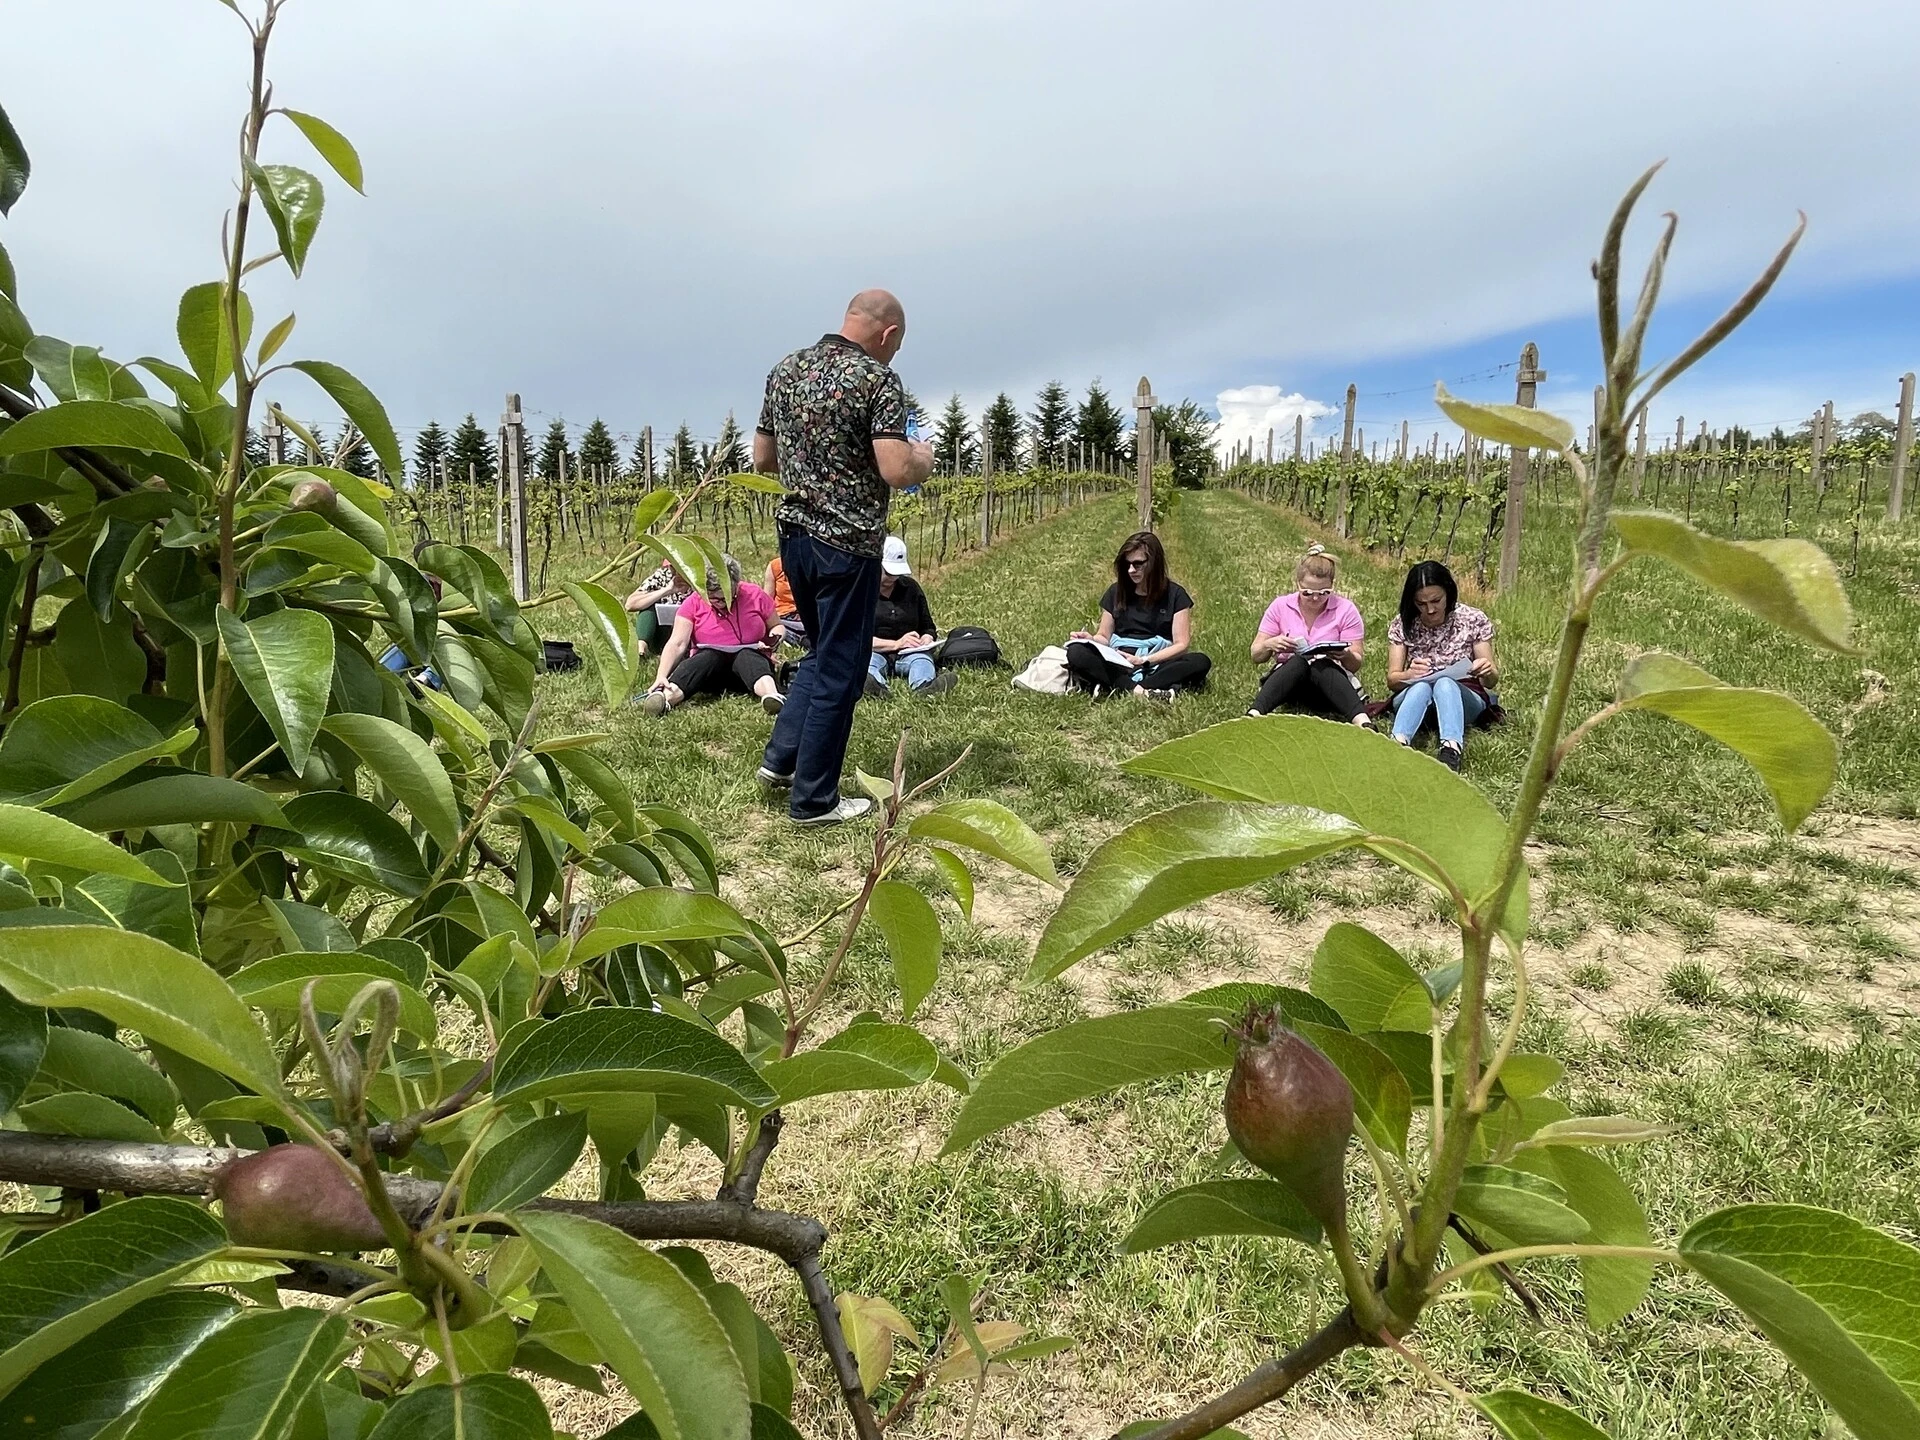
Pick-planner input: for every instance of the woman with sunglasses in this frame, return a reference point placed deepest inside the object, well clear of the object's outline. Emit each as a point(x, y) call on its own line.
point(1314, 636)
point(1147, 620)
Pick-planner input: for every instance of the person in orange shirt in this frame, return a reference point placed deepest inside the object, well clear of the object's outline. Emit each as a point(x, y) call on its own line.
point(783, 606)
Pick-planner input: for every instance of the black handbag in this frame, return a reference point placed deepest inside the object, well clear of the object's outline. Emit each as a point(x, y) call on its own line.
point(968, 645)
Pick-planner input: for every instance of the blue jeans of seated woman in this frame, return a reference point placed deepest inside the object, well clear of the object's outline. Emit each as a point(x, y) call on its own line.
point(917, 668)
point(1454, 706)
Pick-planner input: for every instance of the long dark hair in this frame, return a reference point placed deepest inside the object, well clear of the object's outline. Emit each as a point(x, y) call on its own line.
point(1427, 572)
point(1154, 584)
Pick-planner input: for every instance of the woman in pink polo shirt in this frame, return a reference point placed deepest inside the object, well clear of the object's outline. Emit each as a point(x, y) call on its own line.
point(1315, 637)
point(716, 647)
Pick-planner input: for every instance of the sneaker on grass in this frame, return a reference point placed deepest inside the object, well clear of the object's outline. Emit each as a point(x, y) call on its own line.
point(851, 807)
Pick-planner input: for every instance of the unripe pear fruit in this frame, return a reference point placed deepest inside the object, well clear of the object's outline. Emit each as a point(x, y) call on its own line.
point(292, 1197)
point(316, 496)
point(1290, 1111)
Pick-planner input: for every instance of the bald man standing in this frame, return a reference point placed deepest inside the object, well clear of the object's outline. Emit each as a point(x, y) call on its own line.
point(834, 429)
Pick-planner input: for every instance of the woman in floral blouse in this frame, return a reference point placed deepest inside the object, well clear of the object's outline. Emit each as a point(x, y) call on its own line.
point(1439, 659)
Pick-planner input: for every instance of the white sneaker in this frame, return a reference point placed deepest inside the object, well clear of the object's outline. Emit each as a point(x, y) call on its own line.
point(851, 807)
point(772, 703)
point(654, 702)
point(773, 779)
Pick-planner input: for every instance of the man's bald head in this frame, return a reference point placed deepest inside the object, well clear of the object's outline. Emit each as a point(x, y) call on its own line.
point(877, 323)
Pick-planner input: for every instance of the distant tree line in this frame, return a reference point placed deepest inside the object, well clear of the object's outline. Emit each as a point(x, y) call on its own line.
point(1057, 433)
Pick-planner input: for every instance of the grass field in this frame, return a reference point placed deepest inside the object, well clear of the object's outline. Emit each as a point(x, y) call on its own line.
point(1758, 992)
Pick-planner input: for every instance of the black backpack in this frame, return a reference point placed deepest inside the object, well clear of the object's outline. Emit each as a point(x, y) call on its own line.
point(969, 645)
point(559, 656)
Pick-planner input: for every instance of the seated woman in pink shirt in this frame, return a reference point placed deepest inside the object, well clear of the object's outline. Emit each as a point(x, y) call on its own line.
point(716, 647)
point(1315, 636)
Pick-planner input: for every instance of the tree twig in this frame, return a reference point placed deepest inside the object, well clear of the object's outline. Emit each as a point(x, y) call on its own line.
point(1267, 1383)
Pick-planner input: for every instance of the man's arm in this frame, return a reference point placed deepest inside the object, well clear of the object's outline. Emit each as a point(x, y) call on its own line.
point(766, 454)
point(902, 463)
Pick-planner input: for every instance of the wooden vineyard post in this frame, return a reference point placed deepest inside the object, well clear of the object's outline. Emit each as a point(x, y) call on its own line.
point(275, 434)
point(1817, 454)
point(646, 455)
point(1640, 456)
point(1143, 448)
point(1346, 464)
point(1515, 513)
point(510, 424)
point(1902, 443)
point(500, 490)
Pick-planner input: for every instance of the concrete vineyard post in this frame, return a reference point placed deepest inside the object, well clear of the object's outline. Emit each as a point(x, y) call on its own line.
point(1346, 463)
point(500, 490)
point(1299, 433)
point(986, 485)
point(1902, 443)
point(1403, 442)
point(1143, 448)
point(1640, 455)
point(1530, 376)
point(511, 424)
point(1817, 454)
point(646, 457)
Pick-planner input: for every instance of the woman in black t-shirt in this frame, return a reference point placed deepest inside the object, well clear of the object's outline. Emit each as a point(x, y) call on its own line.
point(1147, 617)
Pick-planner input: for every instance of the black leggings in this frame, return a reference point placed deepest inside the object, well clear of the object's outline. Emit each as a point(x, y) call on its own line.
point(1320, 687)
point(715, 672)
point(1089, 668)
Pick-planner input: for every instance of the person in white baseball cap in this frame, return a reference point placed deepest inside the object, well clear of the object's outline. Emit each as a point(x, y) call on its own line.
point(903, 630)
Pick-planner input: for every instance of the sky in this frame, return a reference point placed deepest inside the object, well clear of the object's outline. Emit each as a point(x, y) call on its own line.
point(631, 211)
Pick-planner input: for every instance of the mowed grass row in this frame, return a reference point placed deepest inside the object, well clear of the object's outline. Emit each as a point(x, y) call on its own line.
point(1775, 1093)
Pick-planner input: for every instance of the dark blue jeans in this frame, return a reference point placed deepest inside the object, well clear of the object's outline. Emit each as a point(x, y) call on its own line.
point(836, 592)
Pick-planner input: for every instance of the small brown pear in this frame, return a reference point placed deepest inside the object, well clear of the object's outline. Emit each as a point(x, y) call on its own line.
point(292, 1197)
point(1290, 1111)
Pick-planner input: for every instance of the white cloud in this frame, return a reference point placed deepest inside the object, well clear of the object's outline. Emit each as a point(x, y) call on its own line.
point(1250, 412)
point(634, 209)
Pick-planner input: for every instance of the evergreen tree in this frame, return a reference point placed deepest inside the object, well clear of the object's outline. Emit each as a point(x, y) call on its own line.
point(1188, 431)
point(596, 448)
point(321, 456)
point(1050, 426)
point(256, 448)
point(471, 454)
point(917, 416)
point(429, 454)
point(955, 451)
point(641, 466)
point(1096, 427)
point(357, 458)
point(554, 449)
point(730, 452)
point(1001, 427)
point(683, 461)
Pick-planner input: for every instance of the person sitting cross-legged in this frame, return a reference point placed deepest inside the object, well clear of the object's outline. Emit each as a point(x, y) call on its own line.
point(719, 645)
point(651, 600)
point(1147, 618)
point(1439, 658)
point(1314, 636)
point(903, 630)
